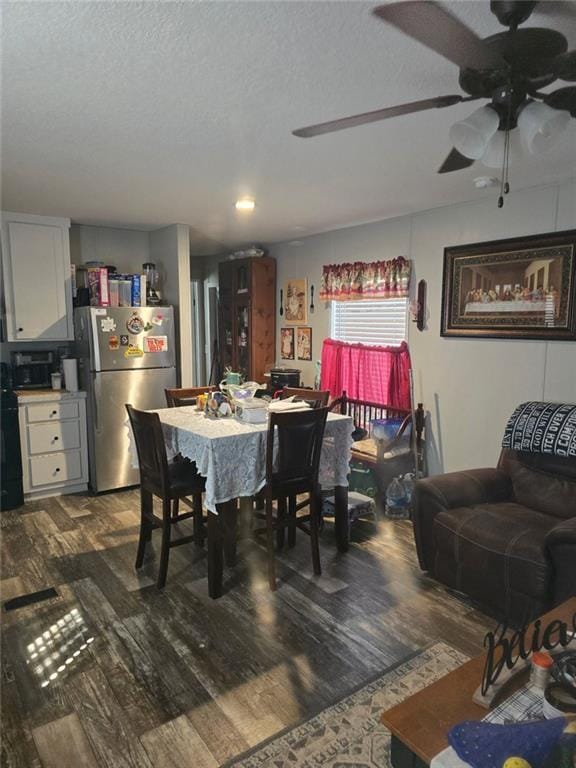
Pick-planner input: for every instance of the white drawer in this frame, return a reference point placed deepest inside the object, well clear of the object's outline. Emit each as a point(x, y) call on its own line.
point(55, 468)
point(51, 411)
point(60, 436)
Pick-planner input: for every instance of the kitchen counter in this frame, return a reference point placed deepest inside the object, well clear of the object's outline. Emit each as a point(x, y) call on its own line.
point(40, 395)
point(53, 442)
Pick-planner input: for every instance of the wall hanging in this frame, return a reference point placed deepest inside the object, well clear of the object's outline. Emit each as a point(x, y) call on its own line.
point(418, 306)
point(304, 343)
point(517, 288)
point(287, 343)
point(295, 301)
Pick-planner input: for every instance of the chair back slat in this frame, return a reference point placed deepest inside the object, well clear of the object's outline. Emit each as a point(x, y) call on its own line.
point(176, 398)
point(318, 398)
point(151, 449)
point(299, 439)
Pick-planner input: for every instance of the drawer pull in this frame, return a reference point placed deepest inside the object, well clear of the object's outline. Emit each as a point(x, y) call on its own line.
point(20, 330)
point(57, 469)
point(55, 437)
point(53, 413)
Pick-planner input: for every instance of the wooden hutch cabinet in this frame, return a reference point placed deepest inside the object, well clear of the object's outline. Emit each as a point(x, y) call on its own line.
point(247, 316)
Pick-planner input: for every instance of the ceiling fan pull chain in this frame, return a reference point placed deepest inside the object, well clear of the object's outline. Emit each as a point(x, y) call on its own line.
point(504, 185)
point(508, 123)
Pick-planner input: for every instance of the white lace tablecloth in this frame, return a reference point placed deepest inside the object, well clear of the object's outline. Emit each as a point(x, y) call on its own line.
point(231, 455)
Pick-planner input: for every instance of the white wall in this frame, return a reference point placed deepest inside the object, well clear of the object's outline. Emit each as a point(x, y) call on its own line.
point(126, 249)
point(170, 251)
point(468, 386)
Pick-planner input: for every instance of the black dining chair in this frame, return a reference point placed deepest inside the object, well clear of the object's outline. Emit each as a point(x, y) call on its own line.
point(317, 398)
point(178, 397)
point(292, 470)
point(169, 482)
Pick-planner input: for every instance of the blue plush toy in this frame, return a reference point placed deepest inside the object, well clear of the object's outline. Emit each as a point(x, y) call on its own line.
point(487, 745)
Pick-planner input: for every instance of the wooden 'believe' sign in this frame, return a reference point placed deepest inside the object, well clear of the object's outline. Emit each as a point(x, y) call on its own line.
point(512, 652)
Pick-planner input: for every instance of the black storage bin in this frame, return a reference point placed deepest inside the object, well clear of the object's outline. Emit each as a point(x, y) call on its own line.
point(12, 494)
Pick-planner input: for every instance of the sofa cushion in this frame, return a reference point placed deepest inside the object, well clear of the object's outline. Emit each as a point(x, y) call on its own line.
point(544, 483)
point(494, 552)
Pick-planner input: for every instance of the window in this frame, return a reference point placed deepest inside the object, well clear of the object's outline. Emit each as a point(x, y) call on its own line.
point(376, 321)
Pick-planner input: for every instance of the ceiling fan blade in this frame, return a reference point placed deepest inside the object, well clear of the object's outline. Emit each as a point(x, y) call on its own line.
point(378, 114)
point(455, 162)
point(433, 26)
point(564, 66)
point(563, 98)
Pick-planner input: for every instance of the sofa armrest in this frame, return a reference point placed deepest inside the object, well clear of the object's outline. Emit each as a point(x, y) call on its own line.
point(561, 547)
point(454, 489)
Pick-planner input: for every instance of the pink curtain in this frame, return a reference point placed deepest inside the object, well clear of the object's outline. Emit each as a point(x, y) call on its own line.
point(376, 374)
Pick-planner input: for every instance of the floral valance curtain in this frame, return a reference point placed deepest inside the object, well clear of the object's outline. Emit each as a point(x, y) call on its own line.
point(366, 280)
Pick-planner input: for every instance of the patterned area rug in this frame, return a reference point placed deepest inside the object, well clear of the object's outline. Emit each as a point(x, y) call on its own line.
point(349, 734)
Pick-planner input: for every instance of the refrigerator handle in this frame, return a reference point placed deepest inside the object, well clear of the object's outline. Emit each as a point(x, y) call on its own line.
point(96, 400)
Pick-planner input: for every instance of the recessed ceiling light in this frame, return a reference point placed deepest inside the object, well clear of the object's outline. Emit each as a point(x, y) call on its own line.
point(245, 204)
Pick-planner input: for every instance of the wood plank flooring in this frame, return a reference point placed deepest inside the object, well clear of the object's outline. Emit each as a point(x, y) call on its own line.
point(114, 673)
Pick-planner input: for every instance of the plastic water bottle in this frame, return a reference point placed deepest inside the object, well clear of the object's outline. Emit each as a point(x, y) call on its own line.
point(408, 482)
point(396, 503)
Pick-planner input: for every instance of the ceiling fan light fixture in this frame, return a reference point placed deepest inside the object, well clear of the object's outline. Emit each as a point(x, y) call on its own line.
point(472, 135)
point(494, 155)
point(540, 126)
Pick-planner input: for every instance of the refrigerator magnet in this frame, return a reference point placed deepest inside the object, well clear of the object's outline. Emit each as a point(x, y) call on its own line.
point(135, 324)
point(156, 344)
point(113, 342)
point(124, 340)
point(133, 351)
point(157, 319)
point(107, 324)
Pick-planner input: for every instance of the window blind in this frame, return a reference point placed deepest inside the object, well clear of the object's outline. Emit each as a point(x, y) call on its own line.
point(376, 321)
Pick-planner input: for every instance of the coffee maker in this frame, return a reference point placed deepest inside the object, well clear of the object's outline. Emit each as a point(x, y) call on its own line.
point(31, 370)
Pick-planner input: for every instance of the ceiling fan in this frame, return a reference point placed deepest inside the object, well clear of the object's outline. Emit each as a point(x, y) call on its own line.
point(509, 69)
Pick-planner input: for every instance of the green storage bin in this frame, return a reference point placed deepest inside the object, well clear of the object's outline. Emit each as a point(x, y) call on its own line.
point(362, 479)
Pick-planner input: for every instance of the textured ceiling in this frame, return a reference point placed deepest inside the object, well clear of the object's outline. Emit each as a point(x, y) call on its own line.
point(144, 114)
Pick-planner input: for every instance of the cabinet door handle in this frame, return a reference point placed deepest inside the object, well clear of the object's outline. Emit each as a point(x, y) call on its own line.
point(53, 413)
point(57, 469)
point(20, 330)
point(55, 437)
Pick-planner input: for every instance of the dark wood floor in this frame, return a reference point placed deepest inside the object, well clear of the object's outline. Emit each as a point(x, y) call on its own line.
point(115, 673)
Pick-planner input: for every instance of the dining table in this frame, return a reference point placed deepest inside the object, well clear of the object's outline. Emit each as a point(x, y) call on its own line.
point(231, 455)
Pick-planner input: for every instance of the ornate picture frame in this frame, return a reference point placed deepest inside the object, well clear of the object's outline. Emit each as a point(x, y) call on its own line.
point(519, 288)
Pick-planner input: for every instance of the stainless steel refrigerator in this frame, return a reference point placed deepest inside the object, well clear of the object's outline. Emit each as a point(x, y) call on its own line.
point(125, 355)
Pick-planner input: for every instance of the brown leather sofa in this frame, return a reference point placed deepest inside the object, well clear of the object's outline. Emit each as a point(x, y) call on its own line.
point(506, 537)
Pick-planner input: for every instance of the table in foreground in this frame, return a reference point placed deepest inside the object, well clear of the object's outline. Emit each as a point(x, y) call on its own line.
point(420, 725)
point(231, 455)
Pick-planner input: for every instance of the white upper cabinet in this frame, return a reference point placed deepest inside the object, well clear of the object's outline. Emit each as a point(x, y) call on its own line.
point(37, 280)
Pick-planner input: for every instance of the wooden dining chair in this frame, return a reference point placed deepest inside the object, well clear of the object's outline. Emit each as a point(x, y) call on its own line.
point(318, 398)
point(291, 471)
point(176, 398)
point(167, 481)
